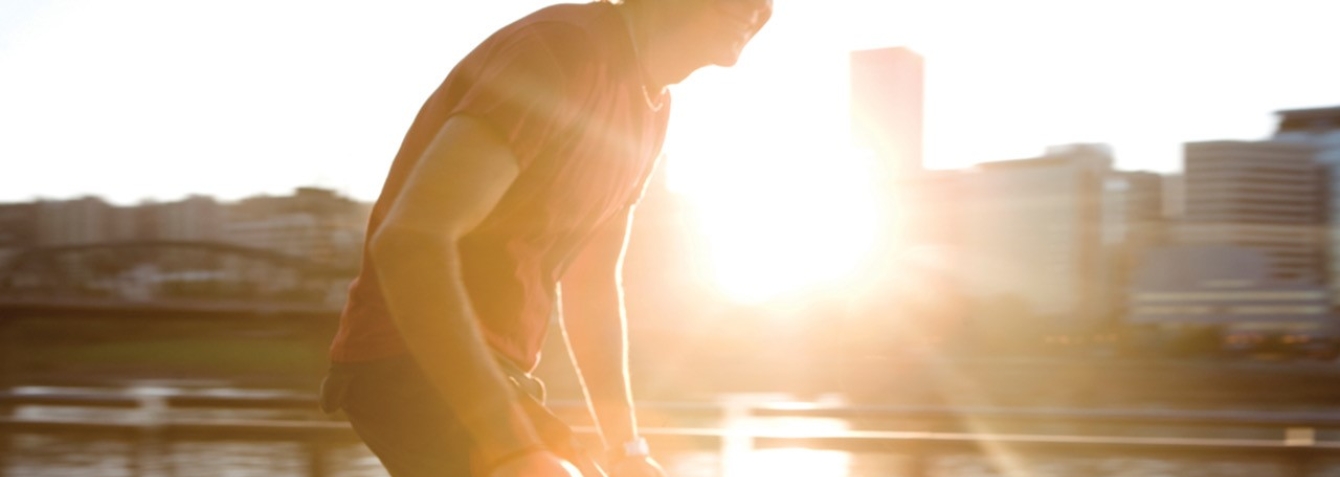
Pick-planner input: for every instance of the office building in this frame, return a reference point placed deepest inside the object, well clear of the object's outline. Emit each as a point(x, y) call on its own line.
point(1174, 196)
point(1232, 289)
point(886, 119)
point(1132, 223)
point(1264, 196)
point(1320, 128)
point(1031, 232)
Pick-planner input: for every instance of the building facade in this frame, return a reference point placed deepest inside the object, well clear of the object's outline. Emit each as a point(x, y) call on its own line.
point(1132, 223)
point(316, 224)
point(1231, 289)
point(1264, 196)
point(74, 222)
point(196, 219)
point(18, 229)
point(1320, 128)
point(1031, 233)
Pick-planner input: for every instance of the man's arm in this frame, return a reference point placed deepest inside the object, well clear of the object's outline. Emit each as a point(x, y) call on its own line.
point(459, 179)
point(595, 329)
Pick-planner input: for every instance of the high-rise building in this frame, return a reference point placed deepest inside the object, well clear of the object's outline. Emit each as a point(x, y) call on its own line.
point(1263, 196)
point(918, 214)
point(1320, 128)
point(1030, 233)
point(886, 117)
point(886, 107)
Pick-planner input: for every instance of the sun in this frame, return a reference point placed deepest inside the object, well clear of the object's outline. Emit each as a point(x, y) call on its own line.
point(762, 154)
point(804, 223)
point(779, 218)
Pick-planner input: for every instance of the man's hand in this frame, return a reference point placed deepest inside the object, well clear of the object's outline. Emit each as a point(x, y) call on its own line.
point(637, 467)
point(536, 464)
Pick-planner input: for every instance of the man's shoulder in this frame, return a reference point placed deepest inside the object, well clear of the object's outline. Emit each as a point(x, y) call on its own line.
point(567, 26)
point(581, 15)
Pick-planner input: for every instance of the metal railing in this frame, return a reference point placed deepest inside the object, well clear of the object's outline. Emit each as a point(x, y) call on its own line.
point(1296, 446)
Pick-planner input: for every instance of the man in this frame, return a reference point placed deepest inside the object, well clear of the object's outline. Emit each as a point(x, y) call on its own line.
point(517, 180)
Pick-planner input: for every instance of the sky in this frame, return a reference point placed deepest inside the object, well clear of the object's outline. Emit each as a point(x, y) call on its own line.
point(138, 100)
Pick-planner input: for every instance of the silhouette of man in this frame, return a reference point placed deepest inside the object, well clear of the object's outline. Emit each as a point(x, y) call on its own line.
point(517, 180)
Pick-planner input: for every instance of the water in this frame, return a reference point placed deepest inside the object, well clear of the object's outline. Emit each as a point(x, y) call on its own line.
point(83, 456)
point(35, 455)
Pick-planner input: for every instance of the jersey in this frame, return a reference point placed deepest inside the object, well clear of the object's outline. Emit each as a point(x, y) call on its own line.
point(564, 88)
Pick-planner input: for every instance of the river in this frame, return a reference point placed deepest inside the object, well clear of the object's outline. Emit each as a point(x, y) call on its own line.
point(83, 456)
point(47, 456)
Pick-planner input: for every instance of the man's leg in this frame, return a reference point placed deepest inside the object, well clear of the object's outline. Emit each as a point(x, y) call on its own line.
point(405, 422)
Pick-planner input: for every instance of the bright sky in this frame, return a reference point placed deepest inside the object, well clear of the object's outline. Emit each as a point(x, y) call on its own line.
point(162, 98)
point(136, 99)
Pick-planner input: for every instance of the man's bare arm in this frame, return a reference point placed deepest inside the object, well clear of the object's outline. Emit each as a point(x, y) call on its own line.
point(596, 332)
point(453, 187)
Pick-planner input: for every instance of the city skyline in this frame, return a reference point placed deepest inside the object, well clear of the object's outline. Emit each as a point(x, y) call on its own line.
point(159, 100)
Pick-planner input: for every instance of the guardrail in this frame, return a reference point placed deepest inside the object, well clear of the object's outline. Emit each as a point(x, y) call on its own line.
point(1297, 447)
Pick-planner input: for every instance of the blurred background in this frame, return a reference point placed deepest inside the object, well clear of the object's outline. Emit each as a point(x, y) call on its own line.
point(1026, 238)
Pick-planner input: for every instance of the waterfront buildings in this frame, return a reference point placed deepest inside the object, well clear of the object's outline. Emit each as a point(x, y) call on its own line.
point(1320, 128)
point(18, 228)
point(73, 222)
point(1246, 263)
point(313, 223)
point(1132, 223)
point(1232, 290)
point(196, 218)
point(1264, 196)
point(1031, 233)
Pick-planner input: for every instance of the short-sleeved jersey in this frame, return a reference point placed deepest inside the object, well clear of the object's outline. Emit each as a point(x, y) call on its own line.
point(564, 88)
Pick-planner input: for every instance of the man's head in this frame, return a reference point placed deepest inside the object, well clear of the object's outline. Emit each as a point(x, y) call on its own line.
point(686, 35)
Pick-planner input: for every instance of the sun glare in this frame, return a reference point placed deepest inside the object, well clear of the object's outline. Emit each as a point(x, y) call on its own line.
point(807, 223)
point(785, 206)
point(777, 225)
point(796, 462)
point(788, 461)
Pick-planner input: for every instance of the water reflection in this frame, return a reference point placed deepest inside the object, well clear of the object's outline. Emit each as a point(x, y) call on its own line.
point(793, 462)
point(44, 456)
point(84, 456)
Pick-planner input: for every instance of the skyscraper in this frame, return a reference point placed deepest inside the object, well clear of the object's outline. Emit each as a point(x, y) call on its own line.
point(919, 226)
point(886, 107)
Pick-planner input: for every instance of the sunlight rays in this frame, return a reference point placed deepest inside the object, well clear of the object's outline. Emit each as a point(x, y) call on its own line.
point(805, 224)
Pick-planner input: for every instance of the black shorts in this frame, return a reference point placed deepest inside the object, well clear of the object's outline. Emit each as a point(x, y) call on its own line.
point(411, 428)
